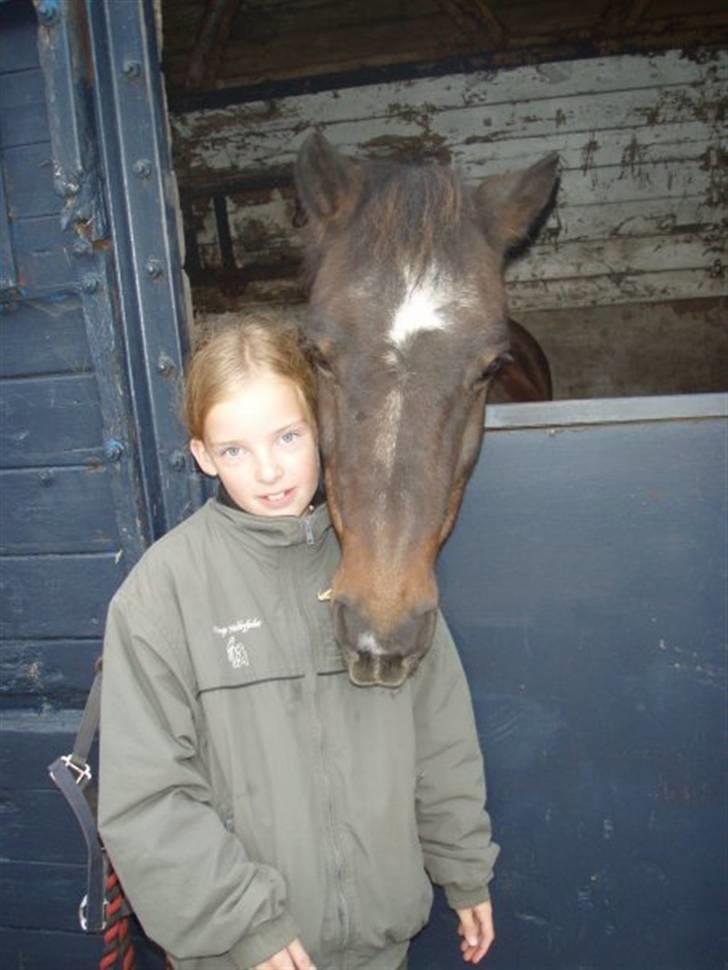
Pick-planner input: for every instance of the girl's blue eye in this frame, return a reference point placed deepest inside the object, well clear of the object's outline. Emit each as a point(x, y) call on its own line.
point(289, 436)
point(232, 452)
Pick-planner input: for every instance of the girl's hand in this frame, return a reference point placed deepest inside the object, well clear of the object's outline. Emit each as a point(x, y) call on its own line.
point(291, 957)
point(476, 928)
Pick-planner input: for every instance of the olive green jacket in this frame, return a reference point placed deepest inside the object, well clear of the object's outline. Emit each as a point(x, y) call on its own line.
point(249, 792)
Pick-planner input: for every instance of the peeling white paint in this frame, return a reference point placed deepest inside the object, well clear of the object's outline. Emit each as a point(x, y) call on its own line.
point(640, 204)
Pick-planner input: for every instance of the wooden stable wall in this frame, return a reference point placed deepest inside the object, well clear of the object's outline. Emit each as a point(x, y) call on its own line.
point(633, 254)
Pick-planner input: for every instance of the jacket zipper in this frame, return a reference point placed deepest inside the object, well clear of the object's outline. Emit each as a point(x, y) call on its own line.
point(343, 912)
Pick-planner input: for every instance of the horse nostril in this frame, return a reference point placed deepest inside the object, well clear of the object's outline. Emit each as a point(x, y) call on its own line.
point(348, 623)
point(414, 636)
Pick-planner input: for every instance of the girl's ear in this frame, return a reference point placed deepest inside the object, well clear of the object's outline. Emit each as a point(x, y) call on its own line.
point(202, 457)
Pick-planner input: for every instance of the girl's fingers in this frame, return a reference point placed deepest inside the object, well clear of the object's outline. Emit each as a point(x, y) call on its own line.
point(301, 959)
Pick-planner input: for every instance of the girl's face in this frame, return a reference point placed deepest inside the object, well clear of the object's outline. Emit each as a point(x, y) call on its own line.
point(261, 445)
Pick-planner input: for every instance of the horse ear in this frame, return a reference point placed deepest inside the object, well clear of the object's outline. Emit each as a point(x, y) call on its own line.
point(510, 204)
point(328, 183)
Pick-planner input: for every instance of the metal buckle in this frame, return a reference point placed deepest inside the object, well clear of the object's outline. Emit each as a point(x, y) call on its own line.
point(83, 909)
point(82, 774)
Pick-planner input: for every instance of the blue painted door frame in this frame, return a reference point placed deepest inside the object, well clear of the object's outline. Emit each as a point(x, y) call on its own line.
point(93, 464)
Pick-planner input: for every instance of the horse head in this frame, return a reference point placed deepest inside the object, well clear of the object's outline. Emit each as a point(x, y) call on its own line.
point(408, 327)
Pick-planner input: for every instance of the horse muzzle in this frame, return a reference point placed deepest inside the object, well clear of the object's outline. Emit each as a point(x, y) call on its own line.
point(376, 659)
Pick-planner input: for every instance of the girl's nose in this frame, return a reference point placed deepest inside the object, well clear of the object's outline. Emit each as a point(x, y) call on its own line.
point(267, 469)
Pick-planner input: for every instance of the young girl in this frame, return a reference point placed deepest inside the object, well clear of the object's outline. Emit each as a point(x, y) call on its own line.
point(260, 810)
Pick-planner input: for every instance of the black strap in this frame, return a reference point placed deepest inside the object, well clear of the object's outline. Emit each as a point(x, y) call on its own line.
point(72, 774)
point(89, 721)
point(91, 912)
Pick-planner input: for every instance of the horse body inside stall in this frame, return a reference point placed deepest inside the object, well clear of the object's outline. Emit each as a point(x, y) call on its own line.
point(409, 328)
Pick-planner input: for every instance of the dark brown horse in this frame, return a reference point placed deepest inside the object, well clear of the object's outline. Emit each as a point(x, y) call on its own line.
point(408, 324)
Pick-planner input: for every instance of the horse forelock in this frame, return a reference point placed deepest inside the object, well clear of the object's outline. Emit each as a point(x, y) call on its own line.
point(406, 215)
point(411, 216)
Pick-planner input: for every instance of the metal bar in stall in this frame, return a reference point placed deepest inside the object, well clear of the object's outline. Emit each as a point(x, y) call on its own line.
point(133, 137)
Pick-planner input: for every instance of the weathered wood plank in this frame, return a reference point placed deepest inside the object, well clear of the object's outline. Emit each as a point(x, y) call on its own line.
point(41, 949)
point(49, 421)
point(613, 289)
point(582, 151)
point(31, 741)
point(23, 116)
point(61, 510)
point(518, 102)
point(458, 134)
point(29, 181)
point(56, 672)
point(579, 113)
point(56, 596)
point(41, 895)
point(18, 50)
point(654, 254)
point(38, 826)
point(43, 255)
point(56, 332)
point(426, 37)
point(263, 232)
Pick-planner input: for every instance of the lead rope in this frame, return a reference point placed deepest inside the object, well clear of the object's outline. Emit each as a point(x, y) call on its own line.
point(118, 946)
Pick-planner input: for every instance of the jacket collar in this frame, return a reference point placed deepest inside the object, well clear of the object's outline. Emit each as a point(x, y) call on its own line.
point(278, 530)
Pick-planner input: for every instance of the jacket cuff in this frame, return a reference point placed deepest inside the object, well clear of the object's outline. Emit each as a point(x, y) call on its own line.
point(258, 946)
point(463, 899)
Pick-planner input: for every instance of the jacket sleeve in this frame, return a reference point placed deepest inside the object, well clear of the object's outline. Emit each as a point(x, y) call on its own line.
point(185, 874)
point(454, 827)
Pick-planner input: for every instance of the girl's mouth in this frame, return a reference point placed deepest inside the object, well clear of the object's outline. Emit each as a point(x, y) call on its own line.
point(278, 498)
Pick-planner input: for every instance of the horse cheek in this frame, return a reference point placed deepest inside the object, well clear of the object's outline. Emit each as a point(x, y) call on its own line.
point(472, 440)
point(332, 501)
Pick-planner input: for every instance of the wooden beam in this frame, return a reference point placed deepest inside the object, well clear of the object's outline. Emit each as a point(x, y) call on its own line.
point(211, 42)
point(477, 22)
point(621, 16)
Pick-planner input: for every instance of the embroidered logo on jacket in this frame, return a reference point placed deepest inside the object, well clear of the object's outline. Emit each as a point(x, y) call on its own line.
point(234, 647)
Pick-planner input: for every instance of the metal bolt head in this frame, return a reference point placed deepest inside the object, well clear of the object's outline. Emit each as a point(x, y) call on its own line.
point(47, 11)
point(178, 460)
point(154, 268)
point(113, 450)
point(81, 246)
point(132, 69)
point(165, 365)
point(142, 168)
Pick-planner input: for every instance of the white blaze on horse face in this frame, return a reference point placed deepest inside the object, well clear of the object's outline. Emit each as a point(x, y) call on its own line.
point(388, 428)
point(419, 310)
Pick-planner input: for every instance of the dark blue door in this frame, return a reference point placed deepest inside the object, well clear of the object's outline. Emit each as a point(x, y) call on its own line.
point(586, 584)
point(91, 460)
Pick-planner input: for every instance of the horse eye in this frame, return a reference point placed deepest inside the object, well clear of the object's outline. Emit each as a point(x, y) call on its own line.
point(321, 363)
point(489, 372)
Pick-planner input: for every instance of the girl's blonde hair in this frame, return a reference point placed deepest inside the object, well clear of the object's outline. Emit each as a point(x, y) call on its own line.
point(225, 357)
